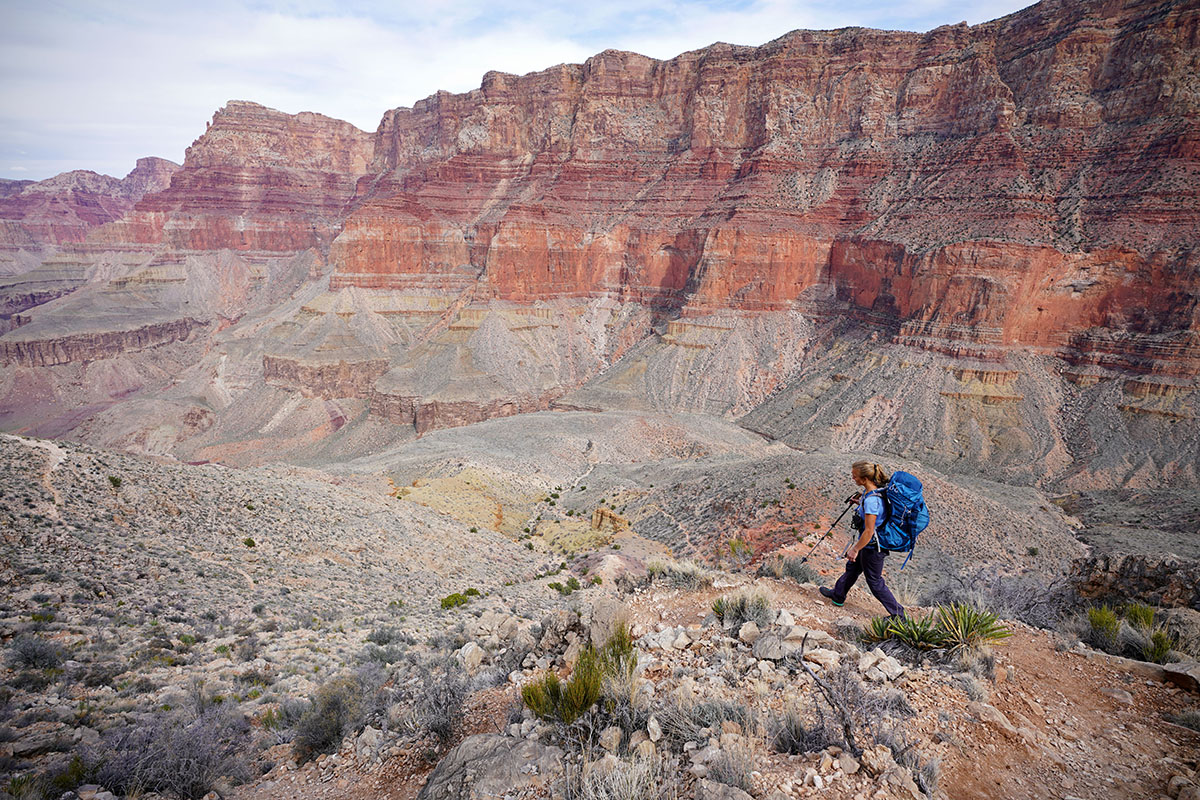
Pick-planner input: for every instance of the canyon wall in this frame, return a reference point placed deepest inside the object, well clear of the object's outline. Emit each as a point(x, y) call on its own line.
point(1009, 209)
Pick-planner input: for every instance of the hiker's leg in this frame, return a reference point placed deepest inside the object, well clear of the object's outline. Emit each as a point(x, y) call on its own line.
point(844, 583)
point(872, 567)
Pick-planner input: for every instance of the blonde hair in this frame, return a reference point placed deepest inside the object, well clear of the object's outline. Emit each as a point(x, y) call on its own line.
point(869, 470)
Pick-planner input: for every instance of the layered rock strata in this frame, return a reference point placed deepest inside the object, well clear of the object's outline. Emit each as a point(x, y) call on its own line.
point(694, 234)
point(1023, 183)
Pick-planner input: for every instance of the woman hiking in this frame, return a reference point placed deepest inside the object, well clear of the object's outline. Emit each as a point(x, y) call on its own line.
point(865, 555)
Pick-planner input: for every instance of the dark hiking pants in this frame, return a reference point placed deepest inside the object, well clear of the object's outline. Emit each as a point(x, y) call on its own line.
point(869, 563)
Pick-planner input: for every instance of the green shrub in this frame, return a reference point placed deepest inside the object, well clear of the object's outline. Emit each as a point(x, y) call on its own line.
point(552, 699)
point(1105, 628)
point(1140, 616)
point(248, 542)
point(960, 625)
point(1159, 646)
point(879, 629)
point(454, 600)
point(115, 481)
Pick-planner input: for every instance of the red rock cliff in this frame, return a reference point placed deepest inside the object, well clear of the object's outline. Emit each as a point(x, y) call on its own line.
point(1026, 182)
point(257, 180)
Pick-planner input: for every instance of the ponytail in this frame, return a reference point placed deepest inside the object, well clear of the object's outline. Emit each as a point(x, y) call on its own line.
point(871, 471)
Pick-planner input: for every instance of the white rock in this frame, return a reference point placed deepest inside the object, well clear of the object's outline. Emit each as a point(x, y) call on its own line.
point(653, 729)
point(748, 633)
point(470, 655)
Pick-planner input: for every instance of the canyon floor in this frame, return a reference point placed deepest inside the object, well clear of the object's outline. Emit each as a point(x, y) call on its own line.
point(150, 595)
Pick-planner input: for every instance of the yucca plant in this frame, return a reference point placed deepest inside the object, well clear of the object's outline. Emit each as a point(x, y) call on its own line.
point(878, 629)
point(960, 625)
point(720, 607)
point(919, 633)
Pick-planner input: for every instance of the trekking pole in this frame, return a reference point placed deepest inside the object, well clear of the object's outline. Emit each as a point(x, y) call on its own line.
point(850, 504)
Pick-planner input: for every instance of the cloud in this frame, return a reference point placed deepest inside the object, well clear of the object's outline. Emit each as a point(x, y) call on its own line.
point(94, 84)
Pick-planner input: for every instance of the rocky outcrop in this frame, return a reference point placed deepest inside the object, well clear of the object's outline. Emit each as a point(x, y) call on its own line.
point(490, 765)
point(1167, 580)
point(333, 379)
point(84, 347)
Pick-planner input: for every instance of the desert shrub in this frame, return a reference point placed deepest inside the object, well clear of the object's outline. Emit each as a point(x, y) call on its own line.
point(796, 569)
point(1140, 615)
point(1159, 646)
point(1105, 628)
point(1188, 719)
point(972, 688)
point(336, 709)
point(33, 652)
point(790, 732)
point(438, 704)
point(382, 636)
point(980, 662)
point(687, 723)
point(740, 552)
point(734, 610)
point(454, 600)
point(1028, 598)
point(919, 633)
point(637, 779)
point(552, 699)
point(173, 754)
point(961, 625)
point(734, 765)
point(621, 682)
point(683, 574)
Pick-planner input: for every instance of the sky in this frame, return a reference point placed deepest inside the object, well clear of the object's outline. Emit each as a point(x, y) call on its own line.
point(98, 84)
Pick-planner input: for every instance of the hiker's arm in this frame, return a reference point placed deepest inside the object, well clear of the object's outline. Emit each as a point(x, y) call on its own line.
point(867, 534)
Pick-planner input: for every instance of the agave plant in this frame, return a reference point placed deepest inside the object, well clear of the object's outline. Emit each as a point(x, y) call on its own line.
point(961, 625)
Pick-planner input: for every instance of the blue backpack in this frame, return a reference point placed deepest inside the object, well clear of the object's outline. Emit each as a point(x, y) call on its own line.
point(905, 514)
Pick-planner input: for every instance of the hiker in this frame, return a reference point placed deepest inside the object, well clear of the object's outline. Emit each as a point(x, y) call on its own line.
point(865, 555)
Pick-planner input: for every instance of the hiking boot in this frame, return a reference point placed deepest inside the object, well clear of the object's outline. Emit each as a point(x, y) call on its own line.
point(825, 592)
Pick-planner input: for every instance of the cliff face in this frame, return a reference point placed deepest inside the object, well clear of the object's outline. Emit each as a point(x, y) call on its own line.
point(1010, 207)
point(1028, 182)
point(258, 180)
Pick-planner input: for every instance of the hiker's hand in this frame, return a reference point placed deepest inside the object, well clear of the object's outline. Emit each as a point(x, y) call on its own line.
point(852, 554)
point(854, 498)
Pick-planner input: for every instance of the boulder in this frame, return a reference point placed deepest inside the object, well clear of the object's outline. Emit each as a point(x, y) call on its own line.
point(606, 614)
point(825, 659)
point(769, 647)
point(470, 655)
point(489, 765)
point(748, 633)
point(712, 790)
point(1184, 674)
